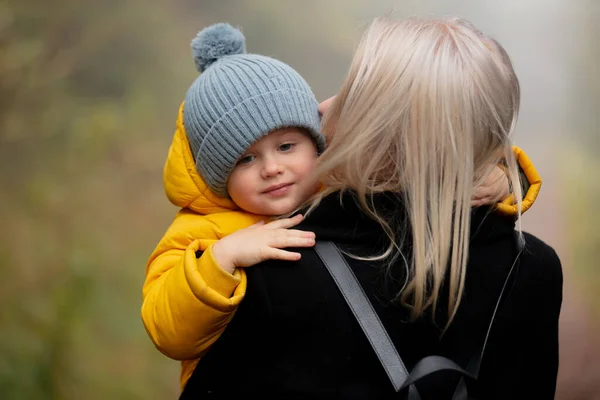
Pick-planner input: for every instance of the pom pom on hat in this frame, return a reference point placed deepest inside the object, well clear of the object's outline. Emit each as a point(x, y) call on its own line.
point(216, 41)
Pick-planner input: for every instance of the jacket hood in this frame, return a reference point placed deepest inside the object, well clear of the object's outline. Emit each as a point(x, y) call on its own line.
point(184, 186)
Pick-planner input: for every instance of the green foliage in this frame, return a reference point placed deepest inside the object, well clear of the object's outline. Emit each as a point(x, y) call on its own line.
point(584, 236)
point(89, 93)
point(580, 159)
point(82, 118)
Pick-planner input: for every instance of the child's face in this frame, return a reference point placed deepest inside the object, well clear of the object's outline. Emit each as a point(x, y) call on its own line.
point(274, 176)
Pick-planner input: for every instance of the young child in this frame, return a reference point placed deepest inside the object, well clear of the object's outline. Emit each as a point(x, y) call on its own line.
point(246, 142)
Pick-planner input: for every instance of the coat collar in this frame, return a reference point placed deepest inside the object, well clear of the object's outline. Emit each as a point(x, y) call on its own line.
point(339, 218)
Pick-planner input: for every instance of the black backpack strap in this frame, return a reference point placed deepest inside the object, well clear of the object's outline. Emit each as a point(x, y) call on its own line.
point(363, 311)
point(380, 341)
point(433, 364)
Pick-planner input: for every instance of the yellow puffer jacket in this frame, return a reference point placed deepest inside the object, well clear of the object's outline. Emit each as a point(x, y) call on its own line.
point(188, 302)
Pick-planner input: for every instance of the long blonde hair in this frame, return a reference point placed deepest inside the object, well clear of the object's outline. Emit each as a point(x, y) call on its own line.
point(426, 111)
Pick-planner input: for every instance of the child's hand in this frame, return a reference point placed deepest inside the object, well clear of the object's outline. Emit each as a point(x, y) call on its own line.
point(494, 189)
point(260, 242)
point(324, 106)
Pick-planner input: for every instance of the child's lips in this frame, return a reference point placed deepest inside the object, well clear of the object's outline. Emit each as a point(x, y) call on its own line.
point(278, 190)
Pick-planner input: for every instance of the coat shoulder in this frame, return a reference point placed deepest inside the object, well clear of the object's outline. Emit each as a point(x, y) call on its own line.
point(541, 260)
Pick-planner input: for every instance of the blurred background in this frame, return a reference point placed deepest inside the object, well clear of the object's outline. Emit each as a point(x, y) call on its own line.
point(89, 93)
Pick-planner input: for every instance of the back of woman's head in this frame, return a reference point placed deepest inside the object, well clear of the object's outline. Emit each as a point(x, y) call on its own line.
point(426, 111)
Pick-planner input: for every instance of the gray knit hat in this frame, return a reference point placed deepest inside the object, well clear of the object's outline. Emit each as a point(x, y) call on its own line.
point(237, 99)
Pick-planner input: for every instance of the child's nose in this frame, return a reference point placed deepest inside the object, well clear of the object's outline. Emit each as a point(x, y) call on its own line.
point(271, 168)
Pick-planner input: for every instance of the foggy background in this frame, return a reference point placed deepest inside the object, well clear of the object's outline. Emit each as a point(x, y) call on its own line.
point(89, 93)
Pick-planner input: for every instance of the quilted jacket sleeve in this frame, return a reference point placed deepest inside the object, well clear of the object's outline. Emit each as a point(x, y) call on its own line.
point(188, 301)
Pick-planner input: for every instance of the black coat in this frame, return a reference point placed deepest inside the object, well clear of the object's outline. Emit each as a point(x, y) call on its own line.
point(294, 337)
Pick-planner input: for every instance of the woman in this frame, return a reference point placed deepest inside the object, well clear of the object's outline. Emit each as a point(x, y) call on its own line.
point(428, 106)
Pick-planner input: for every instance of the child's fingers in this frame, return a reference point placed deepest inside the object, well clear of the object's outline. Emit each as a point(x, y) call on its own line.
point(483, 191)
point(280, 237)
point(295, 232)
point(484, 200)
point(477, 203)
point(286, 222)
point(278, 254)
point(282, 241)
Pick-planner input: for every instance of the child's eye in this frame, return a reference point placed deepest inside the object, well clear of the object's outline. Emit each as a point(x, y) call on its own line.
point(246, 160)
point(286, 146)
